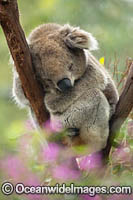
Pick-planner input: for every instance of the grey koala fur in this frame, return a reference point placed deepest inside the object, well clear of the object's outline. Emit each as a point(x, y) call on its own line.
point(63, 52)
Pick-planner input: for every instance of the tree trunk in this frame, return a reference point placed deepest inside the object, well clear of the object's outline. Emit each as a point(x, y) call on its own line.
point(123, 109)
point(9, 20)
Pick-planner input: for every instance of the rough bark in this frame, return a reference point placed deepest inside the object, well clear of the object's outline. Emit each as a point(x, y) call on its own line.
point(9, 20)
point(123, 109)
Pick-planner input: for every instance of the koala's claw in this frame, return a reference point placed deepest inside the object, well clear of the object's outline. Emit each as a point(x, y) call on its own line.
point(72, 132)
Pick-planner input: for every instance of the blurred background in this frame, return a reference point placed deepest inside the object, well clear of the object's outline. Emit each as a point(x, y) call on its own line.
point(110, 21)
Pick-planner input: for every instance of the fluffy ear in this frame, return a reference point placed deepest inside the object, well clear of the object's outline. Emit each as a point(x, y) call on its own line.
point(74, 37)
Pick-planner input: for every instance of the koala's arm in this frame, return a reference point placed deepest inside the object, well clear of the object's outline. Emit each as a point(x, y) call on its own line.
point(20, 98)
point(17, 91)
point(109, 90)
point(58, 103)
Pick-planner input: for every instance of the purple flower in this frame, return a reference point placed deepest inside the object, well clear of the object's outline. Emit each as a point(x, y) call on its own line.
point(92, 161)
point(63, 172)
point(14, 167)
point(51, 152)
point(53, 126)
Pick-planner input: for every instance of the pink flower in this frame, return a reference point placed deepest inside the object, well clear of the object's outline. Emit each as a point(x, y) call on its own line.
point(51, 152)
point(53, 126)
point(92, 161)
point(13, 167)
point(63, 172)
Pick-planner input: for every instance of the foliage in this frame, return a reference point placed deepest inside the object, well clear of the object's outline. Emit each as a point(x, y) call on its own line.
point(35, 163)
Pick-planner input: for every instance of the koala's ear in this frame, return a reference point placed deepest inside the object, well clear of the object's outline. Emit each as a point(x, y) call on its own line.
point(74, 37)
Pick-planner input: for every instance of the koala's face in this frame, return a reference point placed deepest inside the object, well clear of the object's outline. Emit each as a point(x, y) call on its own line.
point(59, 58)
point(61, 66)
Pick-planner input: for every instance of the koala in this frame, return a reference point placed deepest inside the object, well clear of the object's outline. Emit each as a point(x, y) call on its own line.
point(79, 92)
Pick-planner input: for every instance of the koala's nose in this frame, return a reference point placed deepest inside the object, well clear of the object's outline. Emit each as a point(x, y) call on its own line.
point(64, 84)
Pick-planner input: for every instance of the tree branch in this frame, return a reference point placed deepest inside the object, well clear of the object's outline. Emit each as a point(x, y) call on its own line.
point(123, 109)
point(9, 20)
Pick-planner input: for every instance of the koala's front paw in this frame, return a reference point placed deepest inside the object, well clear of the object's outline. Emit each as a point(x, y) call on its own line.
point(72, 132)
point(73, 138)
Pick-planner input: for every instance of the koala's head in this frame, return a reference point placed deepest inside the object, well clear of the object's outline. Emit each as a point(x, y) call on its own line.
point(58, 54)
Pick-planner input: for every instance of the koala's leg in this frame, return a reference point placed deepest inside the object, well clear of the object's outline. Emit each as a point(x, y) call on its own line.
point(96, 130)
point(17, 91)
point(90, 114)
point(112, 96)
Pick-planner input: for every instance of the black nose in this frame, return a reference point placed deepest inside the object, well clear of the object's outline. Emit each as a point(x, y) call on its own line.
point(64, 84)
